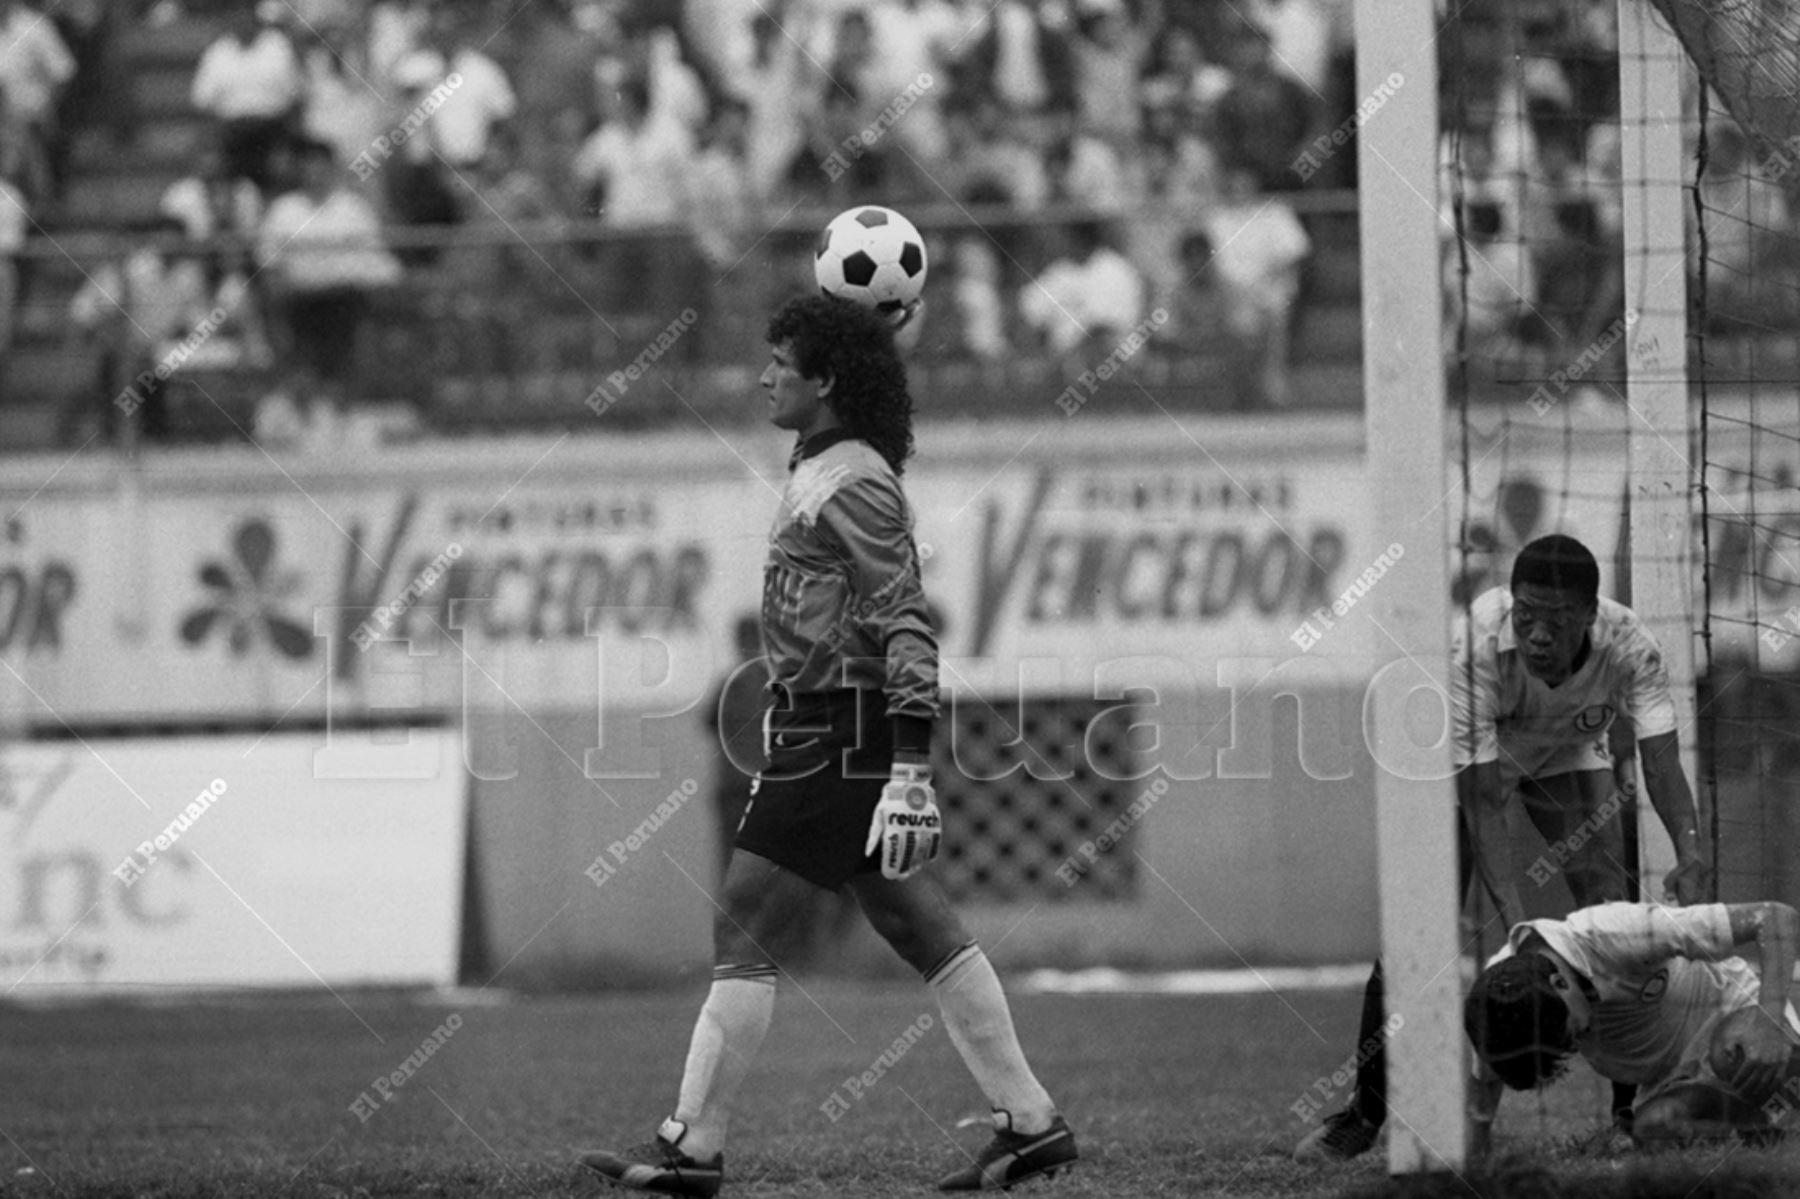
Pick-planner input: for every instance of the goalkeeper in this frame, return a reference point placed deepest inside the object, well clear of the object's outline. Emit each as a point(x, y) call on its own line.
point(846, 798)
point(1542, 668)
point(1650, 996)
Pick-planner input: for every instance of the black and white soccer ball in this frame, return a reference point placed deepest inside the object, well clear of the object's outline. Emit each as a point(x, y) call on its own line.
point(871, 255)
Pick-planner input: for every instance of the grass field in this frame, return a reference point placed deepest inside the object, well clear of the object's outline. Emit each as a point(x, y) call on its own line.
point(1168, 1095)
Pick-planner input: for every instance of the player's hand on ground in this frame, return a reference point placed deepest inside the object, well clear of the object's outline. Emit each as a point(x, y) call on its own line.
point(1757, 1049)
point(1481, 1139)
point(906, 828)
point(1688, 883)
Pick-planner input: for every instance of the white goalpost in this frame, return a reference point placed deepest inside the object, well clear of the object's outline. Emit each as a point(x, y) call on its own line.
point(1403, 376)
point(1662, 470)
point(1409, 493)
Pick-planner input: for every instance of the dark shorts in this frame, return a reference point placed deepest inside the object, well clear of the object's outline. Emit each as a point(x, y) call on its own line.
point(810, 808)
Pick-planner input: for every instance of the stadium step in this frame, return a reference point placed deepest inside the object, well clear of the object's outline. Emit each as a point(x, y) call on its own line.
point(178, 43)
point(163, 89)
point(118, 198)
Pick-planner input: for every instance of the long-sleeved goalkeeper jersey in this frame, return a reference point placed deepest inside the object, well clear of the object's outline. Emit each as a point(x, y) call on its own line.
point(843, 605)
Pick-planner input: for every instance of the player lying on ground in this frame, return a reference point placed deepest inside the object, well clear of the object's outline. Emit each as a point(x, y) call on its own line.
point(850, 649)
point(1540, 670)
point(1648, 995)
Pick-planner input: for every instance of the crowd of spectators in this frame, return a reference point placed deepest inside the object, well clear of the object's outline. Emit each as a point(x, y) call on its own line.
point(686, 128)
point(1124, 157)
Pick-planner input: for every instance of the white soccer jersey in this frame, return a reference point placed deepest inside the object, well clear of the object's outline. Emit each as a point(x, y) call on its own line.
point(1499, 712)
point(1664, 976)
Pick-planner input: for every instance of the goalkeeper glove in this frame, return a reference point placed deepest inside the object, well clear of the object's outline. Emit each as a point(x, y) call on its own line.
point(906, 826)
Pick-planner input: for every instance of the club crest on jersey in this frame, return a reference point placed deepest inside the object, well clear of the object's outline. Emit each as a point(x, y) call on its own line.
point(1595, 718)
point(1654, 987)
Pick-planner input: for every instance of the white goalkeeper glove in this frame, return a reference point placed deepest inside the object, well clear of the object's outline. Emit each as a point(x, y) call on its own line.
point(906, 827)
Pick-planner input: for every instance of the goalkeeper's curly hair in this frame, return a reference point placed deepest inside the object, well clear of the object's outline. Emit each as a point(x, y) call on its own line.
point(1518, 1023)
point(853, 346)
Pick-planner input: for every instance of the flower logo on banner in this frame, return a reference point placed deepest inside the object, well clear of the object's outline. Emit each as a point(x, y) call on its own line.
point(243, 596)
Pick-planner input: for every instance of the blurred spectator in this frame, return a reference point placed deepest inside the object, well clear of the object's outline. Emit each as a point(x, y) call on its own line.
point(210, 203)
point(128, 314)
point(14, 219)
point(341, 108)
point(980, 310)
point(1577, 258)
point(492, 257)
point(1259, 250)
point(482, 96)
point(1750, 246)
point(631, 169)
point(1099, 172)
point(1499, 285)
point(34, 67)
point(93, 98)
point(327, 18)
point(677, 94)
point(250, 80)
point(1299, 39)
point(22, 157)
point(557, 101)
point(991, 162)
point(720, 207)
point(1109, 55)
point(1178, 87)
point(396, 29)
point(1195, 304)
point(779, 88)
point(859, 152)
point(1024, 62)
point(419, 188)
point(1091, 294)
point(1264, 119)
point(635, 174)
point(913, 43)
point(322, 256)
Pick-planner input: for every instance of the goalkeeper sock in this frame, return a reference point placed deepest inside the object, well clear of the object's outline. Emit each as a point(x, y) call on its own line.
point(727, 1036)
point(1371, 1051)
point(981, 1028)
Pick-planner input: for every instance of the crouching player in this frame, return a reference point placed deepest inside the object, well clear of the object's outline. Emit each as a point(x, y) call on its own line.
point(1542, 668)
point(1651, 996)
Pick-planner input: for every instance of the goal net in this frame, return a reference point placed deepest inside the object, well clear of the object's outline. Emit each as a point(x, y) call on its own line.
point(1743, 124)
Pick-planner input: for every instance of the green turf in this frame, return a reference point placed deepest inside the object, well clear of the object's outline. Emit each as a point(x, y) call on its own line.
point(1168, 1096)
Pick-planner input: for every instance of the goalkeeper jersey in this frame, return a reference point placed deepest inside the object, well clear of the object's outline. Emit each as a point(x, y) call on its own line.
point(1664, 978)
point(843, 605)
point(1502, 713)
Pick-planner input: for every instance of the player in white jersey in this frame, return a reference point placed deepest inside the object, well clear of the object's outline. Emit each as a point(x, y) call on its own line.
point(1648, 995)
point(1542, 670)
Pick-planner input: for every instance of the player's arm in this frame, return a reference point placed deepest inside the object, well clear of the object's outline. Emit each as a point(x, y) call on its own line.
point(867, 519)
point(1762, 1046)
point(1485, 1089)
point(1483, 801)
point(1666, 784)
point(1649, 706)
point(1774, 927)
point(1475, 750)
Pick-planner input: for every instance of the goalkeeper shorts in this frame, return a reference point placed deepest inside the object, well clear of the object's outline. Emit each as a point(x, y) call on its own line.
point(829, 756)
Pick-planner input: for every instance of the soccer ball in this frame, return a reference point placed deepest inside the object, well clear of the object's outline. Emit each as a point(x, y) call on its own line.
point(871, 255)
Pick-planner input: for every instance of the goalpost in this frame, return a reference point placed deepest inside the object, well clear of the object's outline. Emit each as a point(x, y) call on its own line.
point(1405, 421)
point(1411, 488)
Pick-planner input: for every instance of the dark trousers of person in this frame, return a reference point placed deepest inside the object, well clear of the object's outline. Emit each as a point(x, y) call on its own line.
point(1371, 1030)
point(247, 146)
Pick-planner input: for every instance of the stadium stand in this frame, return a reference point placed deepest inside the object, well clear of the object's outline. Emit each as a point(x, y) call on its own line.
point(512, 315)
